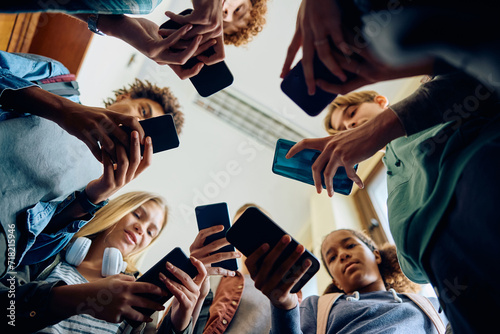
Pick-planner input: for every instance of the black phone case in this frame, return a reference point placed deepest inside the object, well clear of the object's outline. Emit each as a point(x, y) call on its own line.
point(162, 131)
point(178, 259)
point(211, 79)
point(211, 215)
point(294, 86)
point(253, 228)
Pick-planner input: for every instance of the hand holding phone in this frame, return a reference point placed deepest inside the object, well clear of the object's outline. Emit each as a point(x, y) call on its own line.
point(211, 215)
point(178, 259)
point(211, 78)
point(299, 166)
point(162, 131)
point(253, 229)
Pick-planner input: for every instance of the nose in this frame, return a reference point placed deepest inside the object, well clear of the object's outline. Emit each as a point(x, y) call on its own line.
point(138, 228)
point(344, 256)
point(351, 124)
point(227, 15)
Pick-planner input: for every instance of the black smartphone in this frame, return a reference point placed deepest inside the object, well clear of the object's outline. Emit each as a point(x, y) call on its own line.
point(211, 79)
point(162, 131)
point(299, 167)
point(211, 215)
point(178, 259)
point(254, 228)
point(294, 86)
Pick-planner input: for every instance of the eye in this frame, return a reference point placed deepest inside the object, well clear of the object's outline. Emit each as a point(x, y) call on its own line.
point(333, 258)
point(150, 233)
point(136, 215)
point(238, 9)
point(352, 113)
point(144, 112)
point(350, 246)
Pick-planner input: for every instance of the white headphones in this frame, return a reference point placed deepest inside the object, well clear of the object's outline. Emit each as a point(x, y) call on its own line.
point(112, 259)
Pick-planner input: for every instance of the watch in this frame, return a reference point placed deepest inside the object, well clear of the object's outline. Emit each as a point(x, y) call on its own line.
point(92, 24)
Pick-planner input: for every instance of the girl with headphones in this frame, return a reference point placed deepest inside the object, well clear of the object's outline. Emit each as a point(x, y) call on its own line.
point(92, 296)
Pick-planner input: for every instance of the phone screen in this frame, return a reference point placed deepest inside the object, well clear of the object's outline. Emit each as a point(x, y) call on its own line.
point(211, 215)
point(178, 259)
point(254, 228)
point(299, 167)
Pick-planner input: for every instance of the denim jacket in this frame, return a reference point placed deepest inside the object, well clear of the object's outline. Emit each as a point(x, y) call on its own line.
point(41, 168)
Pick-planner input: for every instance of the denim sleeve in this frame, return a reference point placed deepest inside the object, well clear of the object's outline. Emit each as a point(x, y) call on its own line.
point(449, 97)
point(285, 321)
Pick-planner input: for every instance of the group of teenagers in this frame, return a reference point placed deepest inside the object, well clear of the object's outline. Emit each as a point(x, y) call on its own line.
point(63, 161)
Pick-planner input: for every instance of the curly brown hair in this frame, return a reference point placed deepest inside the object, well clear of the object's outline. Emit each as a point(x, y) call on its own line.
point(389, 266)
point(254, 26)
point(162, 96)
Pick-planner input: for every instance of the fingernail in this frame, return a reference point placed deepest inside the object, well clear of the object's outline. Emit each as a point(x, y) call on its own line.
point(135, 134)
point(162, 276)
point(169, 265)
point(265, 247)
point(148, 140)
point(238, 254)
point(299, 249)
point(189, 27)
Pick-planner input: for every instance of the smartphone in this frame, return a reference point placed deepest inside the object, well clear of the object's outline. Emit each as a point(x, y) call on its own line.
point(178, 259)
point(299, 167)
point(254, 228)
point(294, 86)
point(211, 79)
point(162, 131)
point(211, 215)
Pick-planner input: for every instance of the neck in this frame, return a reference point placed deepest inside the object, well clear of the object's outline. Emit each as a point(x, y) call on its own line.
point(378, 285)
point(92, 264)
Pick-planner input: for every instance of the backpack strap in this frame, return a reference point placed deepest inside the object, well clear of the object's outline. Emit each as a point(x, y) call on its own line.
point(325, 304)
point(427, 307)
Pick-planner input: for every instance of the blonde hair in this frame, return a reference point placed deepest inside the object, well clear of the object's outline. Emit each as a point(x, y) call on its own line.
point(254, 25)
point(117, 208)
point(246, 206)
point(353, 98)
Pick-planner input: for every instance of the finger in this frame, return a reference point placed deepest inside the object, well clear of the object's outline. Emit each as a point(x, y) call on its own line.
point(307, 62)
point(296, 275)
point(351, 173)
point(219, 271)
point(108, 169)
point(181, 19)
point(310, 143)
point(147, 156)
point(325, 55)
point(284, 275)
point(95, 150)
point(183, 73)
point(132, 123)
point(218, 56)
point(202, 271)
point(144, 287)
point(269, 264)
point(134, 158)
point(211, 30)
point(145, 303)
point(189, 52)
point(218, 257)
point(317, 169)
point(204, 47)
point(330, 170)
point(184, 278)
point(122, 164)
point(293, 48)
point(254, 258)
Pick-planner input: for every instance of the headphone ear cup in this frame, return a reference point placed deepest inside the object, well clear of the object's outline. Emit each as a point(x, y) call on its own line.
point(112, 262)
point(77, 250)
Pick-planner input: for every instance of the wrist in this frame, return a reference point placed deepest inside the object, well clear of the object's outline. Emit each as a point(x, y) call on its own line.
point(389, 125)
point(88, 203)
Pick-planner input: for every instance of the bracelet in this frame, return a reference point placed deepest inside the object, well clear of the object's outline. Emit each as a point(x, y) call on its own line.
point(92, 24)
point(87, 205)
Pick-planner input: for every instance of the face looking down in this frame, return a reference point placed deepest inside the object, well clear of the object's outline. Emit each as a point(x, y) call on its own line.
point(235, 15)
point(353, 266)
point(351, 116)
point(136, 230)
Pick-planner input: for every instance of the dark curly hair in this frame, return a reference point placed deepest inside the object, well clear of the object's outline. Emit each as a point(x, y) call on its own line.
point(389, 266)
point(254, 26)
point(162, 96)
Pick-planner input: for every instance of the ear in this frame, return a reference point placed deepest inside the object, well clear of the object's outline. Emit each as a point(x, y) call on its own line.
point(382, 101)
point(122, 97)
point(378, 258)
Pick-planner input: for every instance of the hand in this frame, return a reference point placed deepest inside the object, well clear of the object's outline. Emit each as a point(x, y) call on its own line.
point(186, 294)
point(96, 126)
point(206, 19)
point(269, 277)
point(347, 148)
point(144, 35)
point(205, 253)
point(110, 299)
point(127, 168)
point(319, 22)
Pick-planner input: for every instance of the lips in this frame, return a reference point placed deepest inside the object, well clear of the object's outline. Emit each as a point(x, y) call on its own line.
point(131, 237)
point(348, 265)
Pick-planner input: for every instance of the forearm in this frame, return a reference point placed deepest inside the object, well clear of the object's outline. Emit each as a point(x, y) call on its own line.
point(450, 97)
point(167, 326)
point(36, 101)
point(285, 321)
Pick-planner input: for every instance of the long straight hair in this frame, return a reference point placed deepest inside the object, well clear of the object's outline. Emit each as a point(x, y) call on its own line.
point(117, 208)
